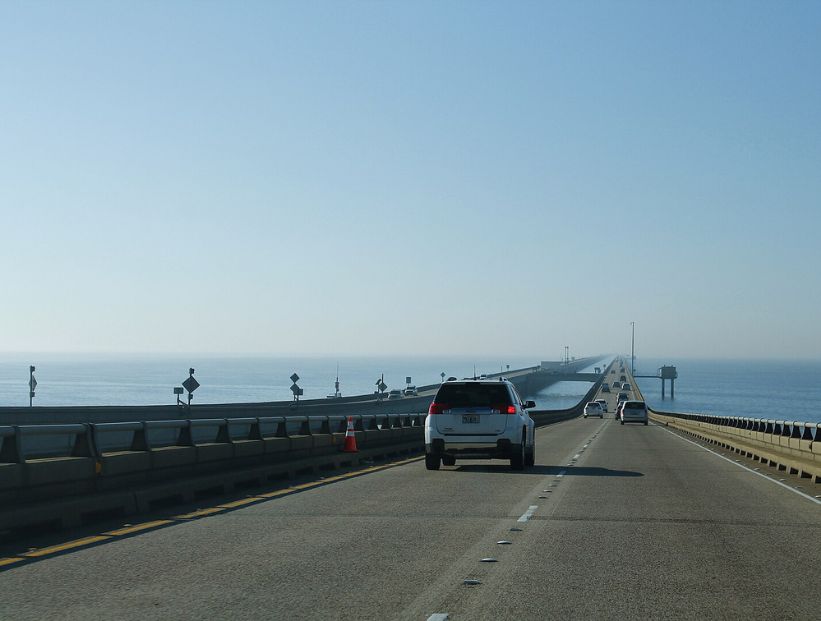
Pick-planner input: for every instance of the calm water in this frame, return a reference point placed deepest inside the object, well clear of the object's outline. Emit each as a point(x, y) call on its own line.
point(757, 389)
point(145, 380)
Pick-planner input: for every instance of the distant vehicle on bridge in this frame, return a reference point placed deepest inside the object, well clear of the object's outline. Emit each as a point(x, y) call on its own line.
point(634, 412)
point(394, 394)
point(593, 408)
point(411, 391)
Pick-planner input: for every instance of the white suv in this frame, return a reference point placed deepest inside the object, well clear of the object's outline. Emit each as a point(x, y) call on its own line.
point(479, 419)
point(634, 412)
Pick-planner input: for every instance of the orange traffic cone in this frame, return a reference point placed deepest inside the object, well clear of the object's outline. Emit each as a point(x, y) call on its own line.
point(350, 438)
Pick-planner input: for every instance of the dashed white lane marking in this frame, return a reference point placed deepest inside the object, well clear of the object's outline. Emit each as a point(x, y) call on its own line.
point(561, 474)
point(529, 513)
point(763, 476)
point(577, 455)
point(439, 616)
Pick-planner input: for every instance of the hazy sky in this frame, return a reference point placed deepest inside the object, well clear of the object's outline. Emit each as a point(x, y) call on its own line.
point(411, 178)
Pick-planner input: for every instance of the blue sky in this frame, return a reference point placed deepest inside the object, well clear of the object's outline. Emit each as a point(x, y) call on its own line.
point(411, 178)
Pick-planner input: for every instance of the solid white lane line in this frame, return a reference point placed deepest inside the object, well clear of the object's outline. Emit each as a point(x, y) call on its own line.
point(529, 513)
point(730, 461)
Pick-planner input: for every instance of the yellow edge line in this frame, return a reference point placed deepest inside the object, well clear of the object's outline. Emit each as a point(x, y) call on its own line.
point(77, 543)
point(199, 513)
point(137, 528)
point(279, 492)
point(239, 503)
point(9, 561)
point(339, 477)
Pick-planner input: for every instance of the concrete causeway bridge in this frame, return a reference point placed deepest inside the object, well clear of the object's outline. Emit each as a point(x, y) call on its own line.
point(253, 512)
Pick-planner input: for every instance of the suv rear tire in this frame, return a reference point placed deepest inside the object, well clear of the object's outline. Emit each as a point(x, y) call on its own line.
point(530, 457)
point(518, 458)
point(432, 461)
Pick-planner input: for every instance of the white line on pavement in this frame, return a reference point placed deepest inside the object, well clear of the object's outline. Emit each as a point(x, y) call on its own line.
point(763, 476)
point(529, 513)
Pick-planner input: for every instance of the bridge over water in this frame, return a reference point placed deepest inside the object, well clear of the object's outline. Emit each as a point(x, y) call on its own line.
point(613, 522)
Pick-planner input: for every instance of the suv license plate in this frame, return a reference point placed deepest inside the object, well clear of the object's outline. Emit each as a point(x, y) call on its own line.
point(471, 418)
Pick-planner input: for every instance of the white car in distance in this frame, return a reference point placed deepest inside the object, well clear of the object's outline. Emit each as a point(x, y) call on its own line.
point(593, 408)
point(634, 412)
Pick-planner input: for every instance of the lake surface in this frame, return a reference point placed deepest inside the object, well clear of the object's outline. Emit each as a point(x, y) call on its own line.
point(778, 389)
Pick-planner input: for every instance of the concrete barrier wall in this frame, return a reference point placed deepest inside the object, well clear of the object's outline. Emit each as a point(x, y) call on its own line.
point(84, 458)
point(792, 446)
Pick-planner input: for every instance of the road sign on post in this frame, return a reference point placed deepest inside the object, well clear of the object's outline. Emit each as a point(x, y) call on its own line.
point(190, 385)
point(296, 389)
point(32, 383)
point(382, 386)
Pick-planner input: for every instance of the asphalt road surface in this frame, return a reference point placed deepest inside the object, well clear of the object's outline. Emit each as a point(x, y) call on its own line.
point(643, 524)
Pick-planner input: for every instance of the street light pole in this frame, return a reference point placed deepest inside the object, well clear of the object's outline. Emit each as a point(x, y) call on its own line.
point(633, 349)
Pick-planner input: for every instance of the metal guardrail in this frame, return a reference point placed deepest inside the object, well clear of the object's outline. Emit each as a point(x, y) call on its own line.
point(99, 439)
point(798, 430)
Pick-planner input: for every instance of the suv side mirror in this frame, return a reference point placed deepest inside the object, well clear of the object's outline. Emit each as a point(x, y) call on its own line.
point(530, 404)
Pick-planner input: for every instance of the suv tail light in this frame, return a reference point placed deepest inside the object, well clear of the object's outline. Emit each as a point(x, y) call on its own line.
point(437, 408)
point(505, 409)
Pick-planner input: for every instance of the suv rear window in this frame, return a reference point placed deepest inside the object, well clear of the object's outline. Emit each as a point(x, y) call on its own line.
point(634, 405)
point(473, 395)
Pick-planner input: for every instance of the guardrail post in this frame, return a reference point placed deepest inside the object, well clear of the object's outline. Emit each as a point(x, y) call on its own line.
point(11, 448)
point(223, 437)
point(184, 437)
point(255, 432)
point(83, 443)
point(139, 441)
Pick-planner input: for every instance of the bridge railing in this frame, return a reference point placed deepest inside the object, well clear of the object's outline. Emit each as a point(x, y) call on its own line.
point(793, 446)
